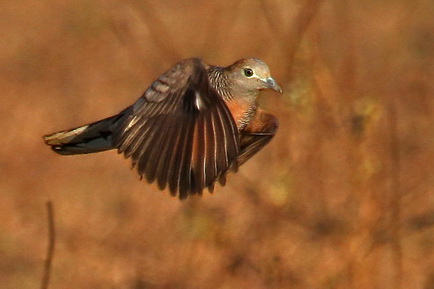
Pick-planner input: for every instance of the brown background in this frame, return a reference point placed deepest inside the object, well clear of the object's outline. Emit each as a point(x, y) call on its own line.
point(342, 198)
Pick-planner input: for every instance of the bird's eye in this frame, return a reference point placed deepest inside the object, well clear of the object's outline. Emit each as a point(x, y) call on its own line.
point(248, 72)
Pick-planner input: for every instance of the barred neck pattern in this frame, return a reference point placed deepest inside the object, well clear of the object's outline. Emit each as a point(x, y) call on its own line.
point(220, 82)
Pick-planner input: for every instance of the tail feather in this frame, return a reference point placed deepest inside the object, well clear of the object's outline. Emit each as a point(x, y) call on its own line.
point(90, 138)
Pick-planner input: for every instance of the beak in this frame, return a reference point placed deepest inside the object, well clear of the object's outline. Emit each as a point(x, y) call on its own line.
point(272, 84)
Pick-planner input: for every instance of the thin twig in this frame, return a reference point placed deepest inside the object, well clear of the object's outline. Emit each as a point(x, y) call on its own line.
point(395, 190)
point(394, 169)
point(50, 248)
point(290, 40)
point(159, 34)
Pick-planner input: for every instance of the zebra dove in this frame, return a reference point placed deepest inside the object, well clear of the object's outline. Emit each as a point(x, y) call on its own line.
point(191, 127)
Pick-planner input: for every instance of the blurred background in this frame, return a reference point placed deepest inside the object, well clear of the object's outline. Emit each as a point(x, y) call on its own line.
point(343, 197)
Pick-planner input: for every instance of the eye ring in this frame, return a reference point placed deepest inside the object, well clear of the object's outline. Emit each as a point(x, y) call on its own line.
point(248, 72)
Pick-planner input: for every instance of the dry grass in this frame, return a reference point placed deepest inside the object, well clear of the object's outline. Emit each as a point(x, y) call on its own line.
point(342, 198)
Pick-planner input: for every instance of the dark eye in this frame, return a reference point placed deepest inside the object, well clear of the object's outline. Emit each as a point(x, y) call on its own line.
point(248, 72)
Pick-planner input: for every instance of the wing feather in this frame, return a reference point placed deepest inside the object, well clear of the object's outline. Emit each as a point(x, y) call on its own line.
point(180, 133)
point(199, 157)
point(166, 122)
point(176, 158)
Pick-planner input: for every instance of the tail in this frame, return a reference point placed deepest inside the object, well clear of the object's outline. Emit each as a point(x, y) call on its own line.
point(90, 138)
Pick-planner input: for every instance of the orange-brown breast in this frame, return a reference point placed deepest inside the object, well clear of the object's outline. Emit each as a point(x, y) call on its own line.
point(242, 112)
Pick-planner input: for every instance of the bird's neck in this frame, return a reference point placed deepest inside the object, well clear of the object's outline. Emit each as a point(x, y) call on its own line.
point(220, 82)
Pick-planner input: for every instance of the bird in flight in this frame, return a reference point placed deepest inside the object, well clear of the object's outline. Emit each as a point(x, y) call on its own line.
point(189, 129)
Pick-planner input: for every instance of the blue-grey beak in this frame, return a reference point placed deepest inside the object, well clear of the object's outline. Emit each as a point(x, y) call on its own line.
point(272, 84)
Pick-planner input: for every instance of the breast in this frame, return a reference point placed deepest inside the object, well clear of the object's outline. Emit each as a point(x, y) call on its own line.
point(242, 112)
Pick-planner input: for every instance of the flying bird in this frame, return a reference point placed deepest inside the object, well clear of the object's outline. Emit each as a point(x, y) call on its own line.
point(189, 129)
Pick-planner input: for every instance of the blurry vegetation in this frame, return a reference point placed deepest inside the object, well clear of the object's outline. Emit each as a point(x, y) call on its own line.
point(342, 198)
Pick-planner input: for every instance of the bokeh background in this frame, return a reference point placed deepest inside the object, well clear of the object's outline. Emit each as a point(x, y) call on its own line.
point(343, 197)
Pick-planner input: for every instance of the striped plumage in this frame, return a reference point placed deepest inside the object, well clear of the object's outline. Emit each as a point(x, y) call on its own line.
point(192, 126)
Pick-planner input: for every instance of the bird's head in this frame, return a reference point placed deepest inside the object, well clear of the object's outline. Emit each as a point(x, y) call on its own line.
point(252, 75)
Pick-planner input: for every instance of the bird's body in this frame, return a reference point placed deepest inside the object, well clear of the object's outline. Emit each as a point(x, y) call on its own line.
point(193, 125)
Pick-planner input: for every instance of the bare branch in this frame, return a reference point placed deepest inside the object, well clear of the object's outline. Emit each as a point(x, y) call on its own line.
point(50, 248)
point(295, 34)
point(159, 34)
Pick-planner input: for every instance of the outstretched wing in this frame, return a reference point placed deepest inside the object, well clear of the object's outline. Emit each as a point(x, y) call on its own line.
point(180, 133)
